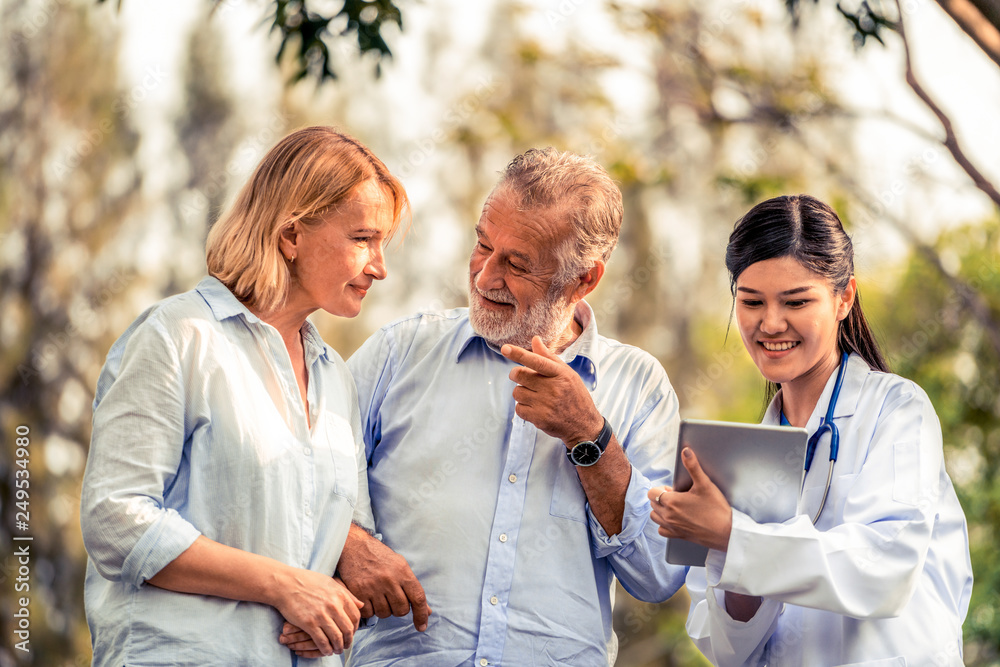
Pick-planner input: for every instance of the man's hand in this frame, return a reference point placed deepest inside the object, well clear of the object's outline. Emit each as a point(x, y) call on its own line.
point(381, 579)
point(550, 394)
point(701, 514)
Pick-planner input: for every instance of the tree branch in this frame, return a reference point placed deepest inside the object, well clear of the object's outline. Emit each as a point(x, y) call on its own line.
point(950, 141)
point(975, 24)
point(972, 299)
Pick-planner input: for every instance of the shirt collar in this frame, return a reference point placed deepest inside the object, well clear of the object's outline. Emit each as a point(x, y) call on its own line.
point(222, 301)
point(224, 305)
point(847, 402)
point(581, 355)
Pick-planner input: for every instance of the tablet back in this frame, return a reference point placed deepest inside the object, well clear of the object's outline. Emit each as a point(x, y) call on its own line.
point(758, 468)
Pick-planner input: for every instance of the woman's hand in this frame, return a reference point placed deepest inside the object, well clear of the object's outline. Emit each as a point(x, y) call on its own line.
point(298, 641)
point(324, 614)
point(701, 514)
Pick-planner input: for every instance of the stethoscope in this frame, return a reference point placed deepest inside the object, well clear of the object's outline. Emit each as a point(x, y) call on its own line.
point(826, 425)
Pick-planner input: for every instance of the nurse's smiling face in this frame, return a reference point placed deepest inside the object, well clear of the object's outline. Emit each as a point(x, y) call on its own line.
point(789, 317)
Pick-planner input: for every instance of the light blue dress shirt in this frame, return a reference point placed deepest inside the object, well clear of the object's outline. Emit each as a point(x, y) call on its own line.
point(200, 429)
point(488, 510)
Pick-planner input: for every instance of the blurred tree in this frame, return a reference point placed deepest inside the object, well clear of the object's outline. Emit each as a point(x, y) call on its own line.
point(934, 340)
point(207, 130)
point(309, 33)
point(944, 332)
point(979, 19)
point(68, 186)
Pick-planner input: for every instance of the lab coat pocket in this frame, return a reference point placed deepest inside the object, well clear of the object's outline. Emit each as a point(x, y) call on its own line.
point(339, 439)
point(884, 662)
point(906, 472)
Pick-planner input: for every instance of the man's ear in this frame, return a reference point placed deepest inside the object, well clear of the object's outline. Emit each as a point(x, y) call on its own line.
point(847, 299)
point(588, 281)
point(288, 241)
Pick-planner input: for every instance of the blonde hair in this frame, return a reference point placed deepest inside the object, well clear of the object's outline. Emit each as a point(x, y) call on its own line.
point(299, 179)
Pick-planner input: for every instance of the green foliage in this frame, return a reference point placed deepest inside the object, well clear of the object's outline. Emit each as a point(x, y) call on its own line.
point(867, 20)
point(931, 338)
point(308, 34)
point(754, 188)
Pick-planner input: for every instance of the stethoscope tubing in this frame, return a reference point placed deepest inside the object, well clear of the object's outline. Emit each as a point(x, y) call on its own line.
point(827, 425)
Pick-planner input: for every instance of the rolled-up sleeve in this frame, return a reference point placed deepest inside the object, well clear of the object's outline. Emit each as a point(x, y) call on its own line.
point(135, 451)
point(638, 553)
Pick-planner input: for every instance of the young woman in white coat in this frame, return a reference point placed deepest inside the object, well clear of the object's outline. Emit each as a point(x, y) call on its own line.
point(875, 569)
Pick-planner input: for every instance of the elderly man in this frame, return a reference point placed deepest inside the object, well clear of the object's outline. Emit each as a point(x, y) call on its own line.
point(510, 446)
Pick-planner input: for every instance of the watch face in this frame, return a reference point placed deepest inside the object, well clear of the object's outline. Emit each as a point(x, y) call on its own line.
point(585, 454)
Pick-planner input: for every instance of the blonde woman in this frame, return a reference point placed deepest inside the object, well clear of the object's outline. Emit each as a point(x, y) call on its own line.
point(224, 469)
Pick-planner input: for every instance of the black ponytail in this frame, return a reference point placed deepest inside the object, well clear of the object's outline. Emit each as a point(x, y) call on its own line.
point(806, 229)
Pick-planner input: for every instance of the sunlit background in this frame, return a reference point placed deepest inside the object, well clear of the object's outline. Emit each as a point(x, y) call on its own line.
point(124, 128)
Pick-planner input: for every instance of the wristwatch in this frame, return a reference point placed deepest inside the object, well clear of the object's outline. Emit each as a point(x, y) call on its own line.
point(588, 452)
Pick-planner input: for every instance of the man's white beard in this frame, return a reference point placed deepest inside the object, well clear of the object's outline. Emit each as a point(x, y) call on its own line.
point(547, 318)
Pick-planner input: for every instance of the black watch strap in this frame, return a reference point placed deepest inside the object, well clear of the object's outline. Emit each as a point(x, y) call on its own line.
point(604, 437)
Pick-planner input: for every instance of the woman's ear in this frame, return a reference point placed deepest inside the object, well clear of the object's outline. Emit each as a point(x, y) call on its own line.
point(288, 241)
point(847, 299)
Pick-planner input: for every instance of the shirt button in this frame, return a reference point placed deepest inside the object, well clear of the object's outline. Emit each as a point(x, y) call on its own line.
point(512, 478)
point(308, 452)
point(309, 511)
point(494, 600)
point(503, 537)
point(484, 662)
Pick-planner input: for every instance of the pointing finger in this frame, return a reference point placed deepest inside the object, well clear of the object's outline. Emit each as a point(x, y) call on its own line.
point(542, 365)
point(539, 347)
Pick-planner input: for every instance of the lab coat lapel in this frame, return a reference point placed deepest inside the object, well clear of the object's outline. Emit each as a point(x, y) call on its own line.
point(847, 404)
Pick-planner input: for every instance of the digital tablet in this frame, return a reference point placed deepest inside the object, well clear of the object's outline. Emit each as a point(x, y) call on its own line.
point(758, 468)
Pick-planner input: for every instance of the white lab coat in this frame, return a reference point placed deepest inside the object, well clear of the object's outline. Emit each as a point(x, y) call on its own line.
point(883, 578)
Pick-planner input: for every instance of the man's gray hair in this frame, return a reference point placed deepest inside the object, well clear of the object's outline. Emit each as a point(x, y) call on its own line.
point(545, 178)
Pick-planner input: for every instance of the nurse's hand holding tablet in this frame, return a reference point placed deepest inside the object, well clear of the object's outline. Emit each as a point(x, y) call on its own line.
point(701, 514)
point(874, 569)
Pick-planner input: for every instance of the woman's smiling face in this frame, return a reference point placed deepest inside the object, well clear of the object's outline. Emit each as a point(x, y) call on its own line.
point(789, 317)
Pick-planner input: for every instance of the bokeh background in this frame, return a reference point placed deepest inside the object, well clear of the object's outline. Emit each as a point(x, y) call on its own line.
point(126, 126)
